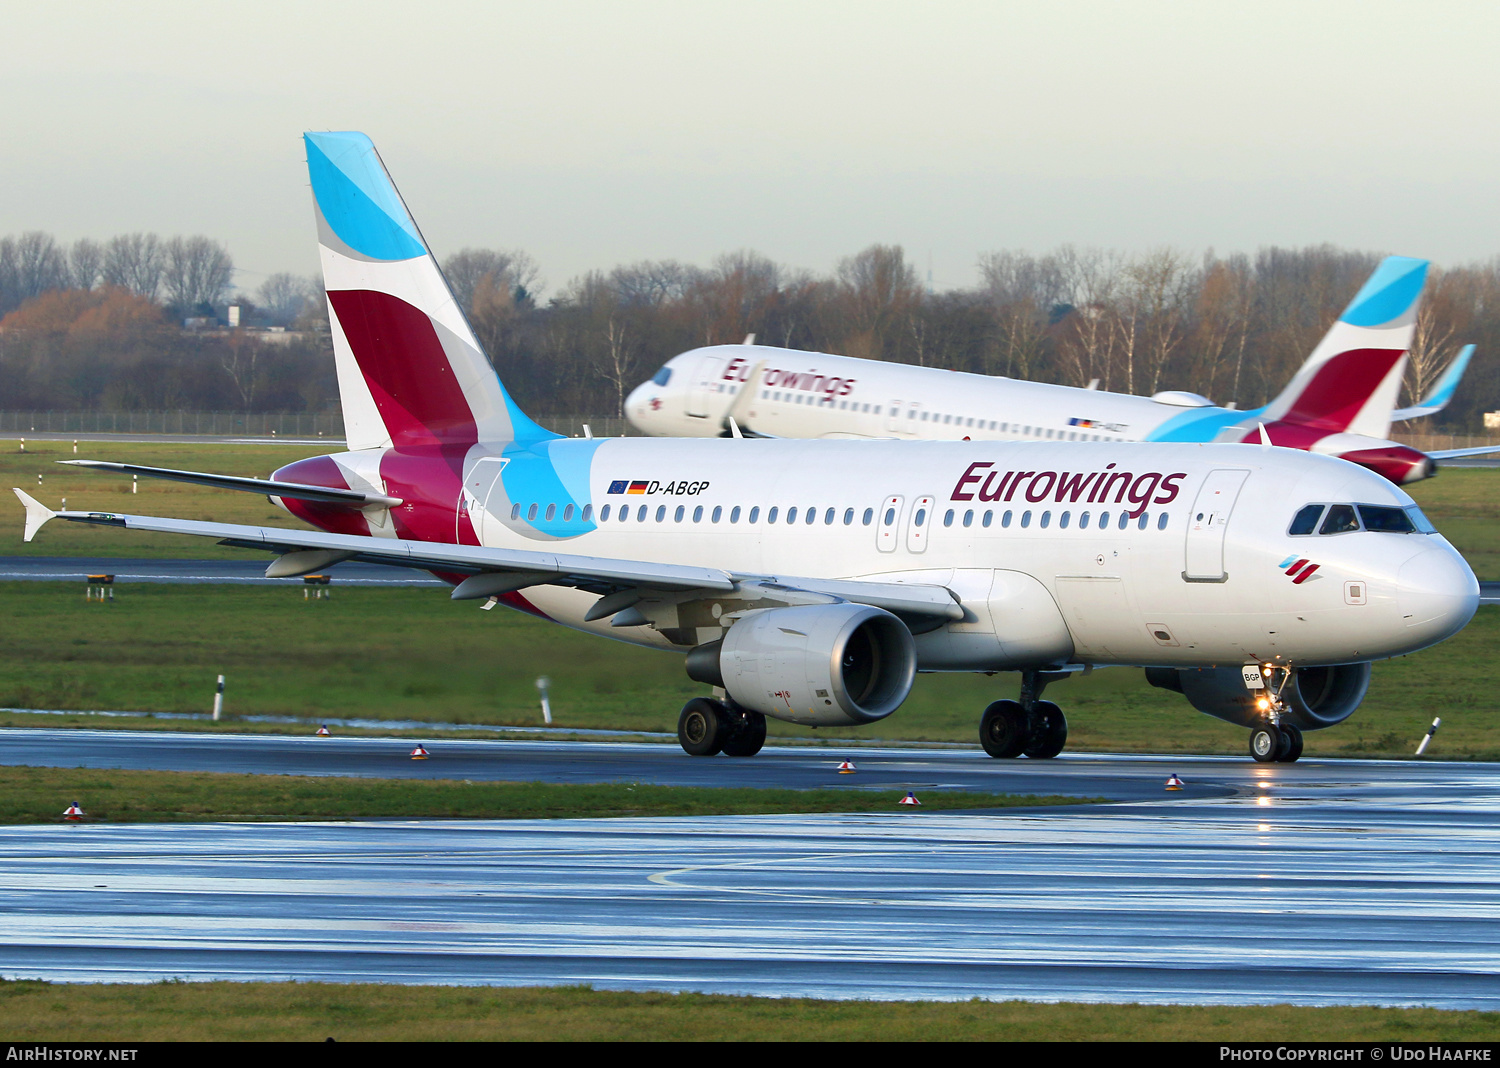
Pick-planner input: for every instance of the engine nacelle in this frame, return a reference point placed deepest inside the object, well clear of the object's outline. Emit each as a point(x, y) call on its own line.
point(1315, 697)
point(826, 664)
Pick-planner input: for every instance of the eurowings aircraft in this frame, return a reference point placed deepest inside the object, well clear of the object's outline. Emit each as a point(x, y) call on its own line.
point(810, 581)
point(1339, 404)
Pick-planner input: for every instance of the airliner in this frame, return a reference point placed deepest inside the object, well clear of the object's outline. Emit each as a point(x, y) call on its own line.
point(811, 581)
point(1339, 403)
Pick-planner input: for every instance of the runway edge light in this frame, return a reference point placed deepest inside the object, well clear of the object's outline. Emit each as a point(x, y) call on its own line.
point(1173, 782)
point(419, 753)
point(1422, 745)
point(909, 799)
point(846, 767)
point(74, 812)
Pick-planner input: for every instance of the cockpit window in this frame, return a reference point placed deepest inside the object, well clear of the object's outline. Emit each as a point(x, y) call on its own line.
point(1306, 521)
point(1340, 520)
point(1385, 518)
point(1420, 521)
point(663, 376)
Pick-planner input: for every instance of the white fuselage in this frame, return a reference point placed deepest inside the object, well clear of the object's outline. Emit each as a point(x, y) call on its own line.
point(1044, 569)
point(817, 395)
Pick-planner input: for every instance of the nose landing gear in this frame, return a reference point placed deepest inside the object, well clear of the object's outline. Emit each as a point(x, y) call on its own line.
point(1031, 726)
point(1273, 741)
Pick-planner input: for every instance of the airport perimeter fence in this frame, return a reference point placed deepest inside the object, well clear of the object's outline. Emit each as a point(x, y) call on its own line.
point(328, 425)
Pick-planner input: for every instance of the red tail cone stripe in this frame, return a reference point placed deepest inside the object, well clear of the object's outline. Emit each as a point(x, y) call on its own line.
point(1300, 579)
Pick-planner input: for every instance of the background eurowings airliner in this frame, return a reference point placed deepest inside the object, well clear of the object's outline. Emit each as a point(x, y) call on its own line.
point(811, 580)
point(1339, 403)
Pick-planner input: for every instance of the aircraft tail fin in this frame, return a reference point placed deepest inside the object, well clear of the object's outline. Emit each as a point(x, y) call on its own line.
point(410, 369)
point(1352, 379)
point(1442, 392)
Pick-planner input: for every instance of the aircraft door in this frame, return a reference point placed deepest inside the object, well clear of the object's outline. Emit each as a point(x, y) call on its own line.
point(893, 417)
point(921, 523)
point(886, 524)
point(1204, 551)
point(475, 496)
point(704, 385)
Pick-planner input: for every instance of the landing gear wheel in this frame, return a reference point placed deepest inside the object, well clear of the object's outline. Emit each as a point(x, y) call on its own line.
point(1265, 743)
point(703, 727)
point(1049, 731)
point(747, 734)
point(1002, 730)
point(1293, 738)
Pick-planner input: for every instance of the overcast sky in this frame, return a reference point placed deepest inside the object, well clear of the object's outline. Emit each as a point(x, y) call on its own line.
point(592, 134)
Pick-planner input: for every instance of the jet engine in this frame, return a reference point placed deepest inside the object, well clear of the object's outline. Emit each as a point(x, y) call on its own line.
point(827, 664)
point(1315, 697)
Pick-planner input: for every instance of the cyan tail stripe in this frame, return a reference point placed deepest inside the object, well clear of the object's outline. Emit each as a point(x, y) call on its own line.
point(1390, 292)
point(357, 198)
point(1202, 424)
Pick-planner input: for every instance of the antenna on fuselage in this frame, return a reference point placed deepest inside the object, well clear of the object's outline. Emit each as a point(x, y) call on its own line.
point(734, 428)
point(1265, 439)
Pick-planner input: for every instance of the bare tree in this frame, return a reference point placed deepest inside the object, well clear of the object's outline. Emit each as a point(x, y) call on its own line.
point(514, 270)
point(878, 292)
point(197, 272)
point(1159, 285)
point(86, 263)
point(1091, 282)
point(1023, 291)
point(134, 262)
point(285, 296)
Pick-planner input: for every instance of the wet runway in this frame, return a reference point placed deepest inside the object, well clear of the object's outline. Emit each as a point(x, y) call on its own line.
point(1319, 882)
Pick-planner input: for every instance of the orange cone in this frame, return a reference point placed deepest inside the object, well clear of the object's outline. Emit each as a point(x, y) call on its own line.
point(419, 753)
point(322, 732)
point(74, 812)
point(847, 768)
point(909, 799)
point(1173, 782)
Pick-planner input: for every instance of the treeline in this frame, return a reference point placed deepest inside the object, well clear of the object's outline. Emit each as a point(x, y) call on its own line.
point(98, 325)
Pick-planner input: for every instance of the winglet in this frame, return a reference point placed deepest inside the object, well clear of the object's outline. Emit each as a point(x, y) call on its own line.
point(37, 513)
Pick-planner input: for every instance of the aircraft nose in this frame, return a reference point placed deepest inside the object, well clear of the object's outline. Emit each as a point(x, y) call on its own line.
point(1436, 593)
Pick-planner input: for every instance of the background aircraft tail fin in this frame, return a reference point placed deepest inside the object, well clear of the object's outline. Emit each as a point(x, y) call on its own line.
point(1442, 392)
point(1352, 379)
point(410, 369)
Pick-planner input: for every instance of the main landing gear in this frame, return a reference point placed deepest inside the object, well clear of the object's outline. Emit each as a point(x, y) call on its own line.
point(1031, 726)
point(707, 726)
point(1272, 741)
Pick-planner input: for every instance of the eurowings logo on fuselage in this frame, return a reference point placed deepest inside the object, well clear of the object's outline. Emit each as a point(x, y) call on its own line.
point(1095, 487)
point(1298, 569)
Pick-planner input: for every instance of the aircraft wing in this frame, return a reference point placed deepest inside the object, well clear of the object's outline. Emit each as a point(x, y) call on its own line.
point(493, 571)
point(253, 485)
point(1442, 392)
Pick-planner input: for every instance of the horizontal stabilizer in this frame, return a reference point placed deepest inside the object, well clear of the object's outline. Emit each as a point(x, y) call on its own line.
point(37, 514)
point(1454, 454)
point(296, 490)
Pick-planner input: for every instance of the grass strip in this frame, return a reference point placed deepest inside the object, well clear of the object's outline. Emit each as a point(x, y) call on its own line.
point(33, 1011)
point(39, 795)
